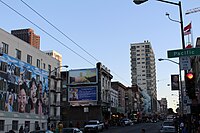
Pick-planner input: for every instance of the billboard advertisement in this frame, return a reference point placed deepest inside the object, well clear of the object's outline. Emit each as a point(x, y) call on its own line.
point(83, 76)
point(175, 82)
point(85, 93)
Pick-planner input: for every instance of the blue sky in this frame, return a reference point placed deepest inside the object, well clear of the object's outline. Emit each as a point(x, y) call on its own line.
point(105, 29)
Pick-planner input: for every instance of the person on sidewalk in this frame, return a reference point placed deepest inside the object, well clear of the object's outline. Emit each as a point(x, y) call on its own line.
point(21, 130)
point(143, 130)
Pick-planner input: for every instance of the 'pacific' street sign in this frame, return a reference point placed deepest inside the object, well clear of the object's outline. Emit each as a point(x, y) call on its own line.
point(183, 52)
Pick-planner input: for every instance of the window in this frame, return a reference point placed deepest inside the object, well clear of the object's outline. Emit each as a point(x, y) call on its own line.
point(49, 68)
point(146, 46)
point(28, 75)
point(55, 84)
point(14, 125)
point(5, 48)
point(44, 66)
point(37, 78)
point(2, 124)
point(29, 59)
point(36, 124)
point(54, 111)
point(27, 123)
point(38, 63)
point(2, 84)
point(18, 54)
point(3, 66)
point(17, 71)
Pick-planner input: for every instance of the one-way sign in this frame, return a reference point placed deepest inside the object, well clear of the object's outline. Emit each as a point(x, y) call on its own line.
point(185, 63)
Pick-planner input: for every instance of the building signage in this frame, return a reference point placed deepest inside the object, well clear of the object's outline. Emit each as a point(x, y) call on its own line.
point(183, 52)
point(88, 93)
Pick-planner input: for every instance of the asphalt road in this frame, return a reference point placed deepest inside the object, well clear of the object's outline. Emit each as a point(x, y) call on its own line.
point(136, 128)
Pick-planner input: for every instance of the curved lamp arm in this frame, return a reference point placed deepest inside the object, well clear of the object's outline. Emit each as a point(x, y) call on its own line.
point(169, 60)
point(57, 68)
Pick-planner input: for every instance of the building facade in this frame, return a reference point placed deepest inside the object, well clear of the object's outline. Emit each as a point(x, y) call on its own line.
point(24, 88)
point(55, 55)
point(143, 71)
point(121, 96)
point(86, 95)
point(28, 36)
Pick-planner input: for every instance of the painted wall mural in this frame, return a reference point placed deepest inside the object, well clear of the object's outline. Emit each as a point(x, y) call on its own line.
point(23, 87)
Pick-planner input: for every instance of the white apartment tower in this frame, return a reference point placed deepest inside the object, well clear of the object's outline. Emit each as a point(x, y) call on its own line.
point(143, 71)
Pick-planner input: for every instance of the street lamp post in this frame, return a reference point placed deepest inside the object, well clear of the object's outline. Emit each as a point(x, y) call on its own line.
point(180, 15)
point(181, 85)
point(50, 77)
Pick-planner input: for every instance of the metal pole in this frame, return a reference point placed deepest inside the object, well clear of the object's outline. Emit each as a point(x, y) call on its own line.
point(181, 91)
point(183, 44)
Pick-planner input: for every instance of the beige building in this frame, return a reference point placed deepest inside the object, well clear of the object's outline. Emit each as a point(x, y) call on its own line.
point(143, 71)
point(55, 55)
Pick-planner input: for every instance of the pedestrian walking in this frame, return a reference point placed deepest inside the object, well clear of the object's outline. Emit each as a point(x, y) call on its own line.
point(21, 130)
point(26, 129)
point(70, 124)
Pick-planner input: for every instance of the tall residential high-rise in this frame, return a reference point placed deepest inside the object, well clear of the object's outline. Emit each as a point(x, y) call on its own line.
point(28, 36)
point(143, 72)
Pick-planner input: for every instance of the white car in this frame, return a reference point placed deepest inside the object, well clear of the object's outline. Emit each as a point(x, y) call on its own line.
point(168, 127)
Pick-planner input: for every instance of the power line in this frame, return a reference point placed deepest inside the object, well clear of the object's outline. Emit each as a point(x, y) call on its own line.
point(59, 30)
point(56, 38)
point(47, 33)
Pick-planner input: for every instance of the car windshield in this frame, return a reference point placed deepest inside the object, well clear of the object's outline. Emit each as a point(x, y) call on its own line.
point(168, 123)
point(67, 131)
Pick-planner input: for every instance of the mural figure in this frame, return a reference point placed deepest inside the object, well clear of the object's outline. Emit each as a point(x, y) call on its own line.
point(11, 73)
point(45, 102)
point(33, 95)
point(10, 97)
point(22, 98)
point(39, 100)
point(9, 102)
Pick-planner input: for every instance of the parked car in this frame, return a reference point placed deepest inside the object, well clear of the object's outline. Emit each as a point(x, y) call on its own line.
point(71, 130)
point(168, 127)
point(126, 121)
point(94, 126)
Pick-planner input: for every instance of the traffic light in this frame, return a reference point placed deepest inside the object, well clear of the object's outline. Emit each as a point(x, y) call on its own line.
point(190, 84)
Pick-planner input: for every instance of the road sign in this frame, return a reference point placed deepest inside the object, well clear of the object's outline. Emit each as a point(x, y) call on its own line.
point(183, 52)
point(185, 63)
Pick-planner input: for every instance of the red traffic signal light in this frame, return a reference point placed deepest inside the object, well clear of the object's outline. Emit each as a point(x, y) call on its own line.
point(190, 75)
point(190, 85)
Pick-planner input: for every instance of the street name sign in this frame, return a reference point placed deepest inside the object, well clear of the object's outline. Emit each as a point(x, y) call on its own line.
point(183, 52)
